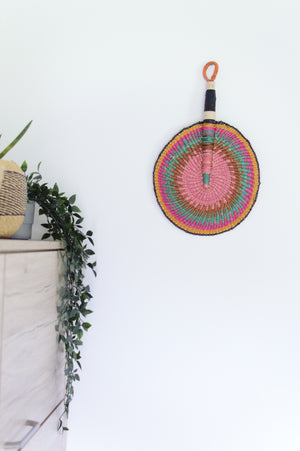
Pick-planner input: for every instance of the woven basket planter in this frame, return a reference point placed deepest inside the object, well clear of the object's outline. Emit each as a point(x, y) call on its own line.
point(13, 198)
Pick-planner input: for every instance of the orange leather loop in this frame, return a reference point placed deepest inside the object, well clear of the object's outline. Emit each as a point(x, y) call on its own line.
point(213, 77)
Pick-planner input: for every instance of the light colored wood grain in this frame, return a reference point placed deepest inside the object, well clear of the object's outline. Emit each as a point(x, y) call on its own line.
point(8, 246)
point(32, 381)
point(48, 438)
point(31, 291)
point(2, 259)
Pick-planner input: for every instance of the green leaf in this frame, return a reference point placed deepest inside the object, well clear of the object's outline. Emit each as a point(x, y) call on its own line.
point(72, 199)
point(86, 326)
point(15, 141)
point(24, 166)
point(87, 312)
point(78, 342)
point(46, 225)
point(89, 252)
point(76, 209)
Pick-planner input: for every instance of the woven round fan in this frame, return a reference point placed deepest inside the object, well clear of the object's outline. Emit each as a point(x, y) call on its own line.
point(206, 179)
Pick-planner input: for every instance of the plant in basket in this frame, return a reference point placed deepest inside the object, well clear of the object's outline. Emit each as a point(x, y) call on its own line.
point(13, 192)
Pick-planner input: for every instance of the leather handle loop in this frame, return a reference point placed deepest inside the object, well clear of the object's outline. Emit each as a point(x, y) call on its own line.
point(207, 65)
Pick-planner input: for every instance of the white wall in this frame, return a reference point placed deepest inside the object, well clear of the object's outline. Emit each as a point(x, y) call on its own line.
point(195, 341)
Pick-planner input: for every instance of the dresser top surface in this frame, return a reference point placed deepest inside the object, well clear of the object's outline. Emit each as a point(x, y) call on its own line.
point(12, 246)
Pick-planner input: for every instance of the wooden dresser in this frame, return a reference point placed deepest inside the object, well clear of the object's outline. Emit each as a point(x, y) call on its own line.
point(31, 361)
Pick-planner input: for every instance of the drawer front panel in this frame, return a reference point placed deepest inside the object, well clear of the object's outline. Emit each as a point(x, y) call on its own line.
point(48, 438)
point(32, 380)
point(1, 310)
point(30, 291)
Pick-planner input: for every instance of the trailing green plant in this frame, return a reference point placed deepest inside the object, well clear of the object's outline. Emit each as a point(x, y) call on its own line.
point(65, 223)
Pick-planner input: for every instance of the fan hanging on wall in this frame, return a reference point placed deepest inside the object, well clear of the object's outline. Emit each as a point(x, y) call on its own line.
point(206, 179)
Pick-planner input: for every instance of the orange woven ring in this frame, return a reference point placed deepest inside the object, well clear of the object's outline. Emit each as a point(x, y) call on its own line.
point(213, 77)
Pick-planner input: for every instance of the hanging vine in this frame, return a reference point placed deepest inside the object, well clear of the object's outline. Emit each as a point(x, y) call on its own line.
point(65, 224)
